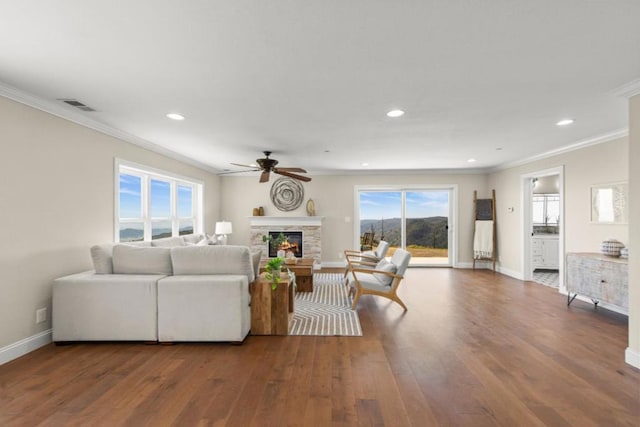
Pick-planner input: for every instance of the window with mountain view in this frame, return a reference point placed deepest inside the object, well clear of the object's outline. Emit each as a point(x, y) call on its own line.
point(152, 205)
point(415, 220)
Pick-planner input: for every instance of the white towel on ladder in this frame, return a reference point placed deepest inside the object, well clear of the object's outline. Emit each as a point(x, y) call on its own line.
point(483, 240)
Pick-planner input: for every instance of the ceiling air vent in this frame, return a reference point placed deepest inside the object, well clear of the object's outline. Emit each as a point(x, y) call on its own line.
point(77, 104)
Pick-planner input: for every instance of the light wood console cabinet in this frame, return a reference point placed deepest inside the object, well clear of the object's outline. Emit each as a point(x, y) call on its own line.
point(598, 277)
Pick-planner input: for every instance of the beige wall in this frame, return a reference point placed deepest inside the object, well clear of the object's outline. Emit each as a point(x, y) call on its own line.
point(334, 200)
point(56, 201)
point(602, 163)
point(633, 353)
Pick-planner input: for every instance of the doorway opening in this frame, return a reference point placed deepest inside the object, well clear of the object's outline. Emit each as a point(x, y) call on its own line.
point(543, 227)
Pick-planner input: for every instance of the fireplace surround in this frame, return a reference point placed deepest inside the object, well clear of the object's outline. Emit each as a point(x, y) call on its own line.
point(309, 226)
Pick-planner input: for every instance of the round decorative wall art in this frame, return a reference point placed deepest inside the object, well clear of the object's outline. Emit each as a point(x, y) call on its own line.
point(287, 194)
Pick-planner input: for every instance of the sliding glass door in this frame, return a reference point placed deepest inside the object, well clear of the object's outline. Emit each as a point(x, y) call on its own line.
point(417, 220)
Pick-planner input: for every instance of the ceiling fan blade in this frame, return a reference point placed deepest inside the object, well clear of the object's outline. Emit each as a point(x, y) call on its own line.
point(292, 175)
point(264, 177)
point(246, 166)
point(230, 172)
point(290, 170)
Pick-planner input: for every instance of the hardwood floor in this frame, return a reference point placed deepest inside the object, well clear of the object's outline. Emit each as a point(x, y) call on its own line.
point(474, 349)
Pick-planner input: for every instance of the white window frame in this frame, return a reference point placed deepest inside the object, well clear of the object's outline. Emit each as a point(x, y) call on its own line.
point(146, 174)
point(453, 212)
point(545, 199)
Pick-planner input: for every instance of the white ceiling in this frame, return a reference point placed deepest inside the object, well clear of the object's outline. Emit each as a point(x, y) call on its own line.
point(312, 80)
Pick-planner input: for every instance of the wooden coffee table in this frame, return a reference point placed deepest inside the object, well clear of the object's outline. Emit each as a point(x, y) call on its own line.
point(303, 271)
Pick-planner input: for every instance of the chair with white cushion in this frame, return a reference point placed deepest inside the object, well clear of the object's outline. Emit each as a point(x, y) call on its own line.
point(366, 259)
point(383, 280)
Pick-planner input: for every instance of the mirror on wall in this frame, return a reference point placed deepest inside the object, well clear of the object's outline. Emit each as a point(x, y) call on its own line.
point(610, 203)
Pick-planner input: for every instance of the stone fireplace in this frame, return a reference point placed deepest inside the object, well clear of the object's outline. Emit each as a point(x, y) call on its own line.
point(308, 228)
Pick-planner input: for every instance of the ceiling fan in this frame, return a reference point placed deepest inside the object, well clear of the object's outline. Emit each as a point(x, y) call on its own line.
point(268, 165)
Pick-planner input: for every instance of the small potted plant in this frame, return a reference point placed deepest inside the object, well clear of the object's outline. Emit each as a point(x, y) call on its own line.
point(276, 242)
point(273, 269)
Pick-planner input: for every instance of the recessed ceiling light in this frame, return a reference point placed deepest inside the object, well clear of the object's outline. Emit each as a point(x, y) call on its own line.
point(565, 122)
point(395, 113)
point(499, 149)
point(471, 160)
point(175, 116)
point(364, 165)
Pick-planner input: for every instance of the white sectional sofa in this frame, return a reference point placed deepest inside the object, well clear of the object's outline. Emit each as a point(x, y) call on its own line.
point(175, 291)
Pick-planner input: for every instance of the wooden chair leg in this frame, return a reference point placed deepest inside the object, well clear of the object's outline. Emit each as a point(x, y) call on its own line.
point(397, 299)
point(355, 299)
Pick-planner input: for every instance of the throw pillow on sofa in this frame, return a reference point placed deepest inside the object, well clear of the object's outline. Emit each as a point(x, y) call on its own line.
point(168, 242)
point(101, 256)
point(136, 260)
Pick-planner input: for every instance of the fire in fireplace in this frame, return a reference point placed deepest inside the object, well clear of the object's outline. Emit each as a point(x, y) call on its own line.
point(292, 243)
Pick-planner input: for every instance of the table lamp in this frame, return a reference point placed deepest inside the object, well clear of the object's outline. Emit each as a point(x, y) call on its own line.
point(223, 228)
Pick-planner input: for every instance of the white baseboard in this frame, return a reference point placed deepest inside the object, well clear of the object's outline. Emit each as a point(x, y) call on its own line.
point(488, 265)
point(511, 273)
point(632, 357)
point(480, 265)
point(463, 265)
point(22, 347)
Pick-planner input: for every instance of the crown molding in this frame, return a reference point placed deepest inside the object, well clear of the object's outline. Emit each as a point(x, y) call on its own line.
point(628, 90)
point(621, 133)
point(65, 113)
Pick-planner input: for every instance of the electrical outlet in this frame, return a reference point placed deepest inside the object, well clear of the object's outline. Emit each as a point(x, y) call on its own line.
point(340, 255)
point(41, 315)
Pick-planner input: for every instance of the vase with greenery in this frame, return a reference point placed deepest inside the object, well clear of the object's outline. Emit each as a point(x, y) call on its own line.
point(275, 242)
point(273, 269)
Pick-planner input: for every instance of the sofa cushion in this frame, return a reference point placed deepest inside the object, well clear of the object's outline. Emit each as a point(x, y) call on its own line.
point(193, 238)
point(384, 265)
point(212, 259)
point(168, 242)
point(139, 260)
point(101, 256)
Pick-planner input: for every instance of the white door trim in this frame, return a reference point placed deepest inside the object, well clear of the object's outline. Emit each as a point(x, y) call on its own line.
point(526, 222)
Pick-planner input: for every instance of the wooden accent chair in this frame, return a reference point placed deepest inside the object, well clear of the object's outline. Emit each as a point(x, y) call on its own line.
point(383, 280)
point(366, 241)
point(365, 259)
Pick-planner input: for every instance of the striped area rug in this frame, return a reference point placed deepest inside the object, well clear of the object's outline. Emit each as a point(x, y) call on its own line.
point(326, 310)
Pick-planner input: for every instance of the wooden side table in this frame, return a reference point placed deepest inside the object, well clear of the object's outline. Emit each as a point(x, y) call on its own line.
point(271, 310)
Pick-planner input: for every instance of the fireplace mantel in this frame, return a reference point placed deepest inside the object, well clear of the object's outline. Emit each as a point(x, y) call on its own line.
point(275, 221)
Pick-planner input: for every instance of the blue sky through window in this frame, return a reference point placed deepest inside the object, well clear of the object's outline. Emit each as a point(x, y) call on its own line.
point(425, 204)
point(160, 199)
point(419, 204)
point(185, 202)
point(130, 196)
